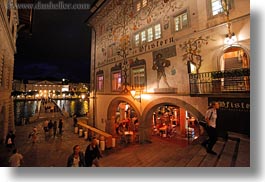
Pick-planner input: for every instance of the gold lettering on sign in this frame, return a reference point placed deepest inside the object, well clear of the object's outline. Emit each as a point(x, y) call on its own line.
point(237, 106)
point(157, 44)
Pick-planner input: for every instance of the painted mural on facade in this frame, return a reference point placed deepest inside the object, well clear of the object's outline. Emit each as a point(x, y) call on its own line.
point(115, 35)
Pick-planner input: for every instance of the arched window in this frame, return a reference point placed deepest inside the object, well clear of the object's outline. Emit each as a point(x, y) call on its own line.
point(235, 64)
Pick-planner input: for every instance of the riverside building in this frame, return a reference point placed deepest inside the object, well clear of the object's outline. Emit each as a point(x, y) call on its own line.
point(161, 63)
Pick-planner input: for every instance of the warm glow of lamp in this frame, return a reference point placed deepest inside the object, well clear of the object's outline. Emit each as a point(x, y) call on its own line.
point(136, 94)
point(230, 39)
point(133, 92)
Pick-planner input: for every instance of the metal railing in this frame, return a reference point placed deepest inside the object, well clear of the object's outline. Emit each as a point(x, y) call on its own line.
point(228, 81)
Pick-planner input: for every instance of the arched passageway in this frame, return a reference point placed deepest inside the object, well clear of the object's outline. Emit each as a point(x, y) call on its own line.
point(119, 110)
point(173, 111)
point(185, 113)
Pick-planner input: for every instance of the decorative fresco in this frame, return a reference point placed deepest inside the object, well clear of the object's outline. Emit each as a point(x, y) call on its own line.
point(159, 64)
point(192, 50)
point(123, 19)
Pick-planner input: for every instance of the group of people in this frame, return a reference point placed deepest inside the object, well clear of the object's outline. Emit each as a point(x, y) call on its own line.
point(51, 127)
point(88, 159)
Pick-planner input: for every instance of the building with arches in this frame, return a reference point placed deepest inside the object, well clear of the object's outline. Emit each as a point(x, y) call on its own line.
point(163, 62)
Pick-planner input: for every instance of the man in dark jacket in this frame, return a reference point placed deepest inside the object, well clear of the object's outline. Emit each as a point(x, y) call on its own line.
point(92, 154)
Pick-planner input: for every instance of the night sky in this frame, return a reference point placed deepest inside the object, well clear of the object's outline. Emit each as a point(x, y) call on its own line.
point(58, 48)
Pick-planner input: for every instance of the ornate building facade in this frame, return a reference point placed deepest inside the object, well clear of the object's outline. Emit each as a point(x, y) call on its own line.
point(163, 62)
point(8, 34)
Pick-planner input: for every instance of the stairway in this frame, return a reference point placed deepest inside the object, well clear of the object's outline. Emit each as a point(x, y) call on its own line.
point(231, 153)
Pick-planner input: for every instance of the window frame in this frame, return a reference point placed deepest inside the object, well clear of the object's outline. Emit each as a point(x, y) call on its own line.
point(118, 89)
point(140, 4)
point(98, 83)
point(139, 42)
point(138, 67)
point(181, 14)
point(210, 8)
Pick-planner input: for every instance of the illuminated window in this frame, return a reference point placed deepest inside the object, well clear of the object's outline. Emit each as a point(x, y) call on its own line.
point(138, 77)
point(143, 36)
point(141, 4)
point(149, 34)
point(138, 6)
point(144, 3)
point(157, 31)
point(100, 83)
point(181, 21)
point(217, 7)
point(137, 39)
point(116, 81)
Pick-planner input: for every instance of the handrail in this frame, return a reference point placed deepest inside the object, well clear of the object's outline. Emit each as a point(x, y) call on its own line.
point(108, 137)
point(227, 81)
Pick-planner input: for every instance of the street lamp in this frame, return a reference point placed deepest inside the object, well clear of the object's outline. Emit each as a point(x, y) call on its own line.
point(136, 94)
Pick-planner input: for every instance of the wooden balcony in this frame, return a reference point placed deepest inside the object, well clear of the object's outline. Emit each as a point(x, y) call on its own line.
point(228, 82)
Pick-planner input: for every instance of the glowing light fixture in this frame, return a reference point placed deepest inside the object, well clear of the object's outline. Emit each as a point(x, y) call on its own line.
point(136, 94)
point(230, 38)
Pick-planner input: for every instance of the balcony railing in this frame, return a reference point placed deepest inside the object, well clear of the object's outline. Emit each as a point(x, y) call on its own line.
point(219, 82)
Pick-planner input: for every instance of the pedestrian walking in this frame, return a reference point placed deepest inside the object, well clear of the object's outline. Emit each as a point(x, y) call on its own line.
point(33, 135)
point(54, 128)
point(77, 158)
point(16, 159)
point(10, 140)
point(45, 127)
point(50, 126)
point(93, 154)
point(210, 117)
point(60, 126)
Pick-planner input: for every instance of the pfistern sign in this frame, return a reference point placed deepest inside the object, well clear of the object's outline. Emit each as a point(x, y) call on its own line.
point(233, 104)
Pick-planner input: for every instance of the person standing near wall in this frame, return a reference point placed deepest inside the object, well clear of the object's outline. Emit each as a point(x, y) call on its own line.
point(210, 117)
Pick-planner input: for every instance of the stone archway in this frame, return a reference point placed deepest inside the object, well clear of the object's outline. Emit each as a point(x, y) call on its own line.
point(146, 124)
point(114, 104)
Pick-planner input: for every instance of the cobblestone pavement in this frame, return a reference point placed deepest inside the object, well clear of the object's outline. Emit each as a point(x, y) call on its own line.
point(162, 152)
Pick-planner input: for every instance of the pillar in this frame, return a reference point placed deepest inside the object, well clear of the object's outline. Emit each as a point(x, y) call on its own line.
point(182, 124)
point(122, 111)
